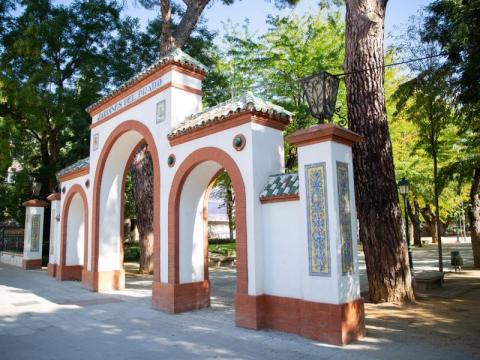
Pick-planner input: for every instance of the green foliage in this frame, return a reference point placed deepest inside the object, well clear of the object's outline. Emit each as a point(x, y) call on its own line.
point(272, 65)
point(53, 64)
point(423, 128)
point(454, 25)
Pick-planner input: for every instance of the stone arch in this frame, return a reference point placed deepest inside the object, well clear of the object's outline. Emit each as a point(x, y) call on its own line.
point(188, 165)
point(96, 280)
point(73, 272)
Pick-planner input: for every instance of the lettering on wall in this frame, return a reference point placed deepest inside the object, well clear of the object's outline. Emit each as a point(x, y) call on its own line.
point(127, 100)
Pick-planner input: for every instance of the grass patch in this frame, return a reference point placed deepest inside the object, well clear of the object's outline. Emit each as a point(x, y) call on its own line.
point(227, 248)
point(131, 253)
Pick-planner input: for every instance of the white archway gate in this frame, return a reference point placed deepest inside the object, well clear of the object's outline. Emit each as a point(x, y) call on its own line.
point(297, 266)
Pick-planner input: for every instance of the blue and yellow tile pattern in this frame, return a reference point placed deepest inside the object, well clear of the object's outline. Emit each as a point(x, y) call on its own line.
point(317, 214)
point(345, 217)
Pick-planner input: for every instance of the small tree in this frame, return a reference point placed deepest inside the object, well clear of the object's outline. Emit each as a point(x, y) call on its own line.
point(223, 190)
point(425, 101)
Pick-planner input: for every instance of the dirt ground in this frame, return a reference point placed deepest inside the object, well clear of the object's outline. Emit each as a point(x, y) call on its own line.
point(445, 318)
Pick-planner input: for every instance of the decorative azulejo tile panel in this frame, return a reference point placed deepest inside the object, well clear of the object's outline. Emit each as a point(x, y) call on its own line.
point(345, 217)
point(317, 216)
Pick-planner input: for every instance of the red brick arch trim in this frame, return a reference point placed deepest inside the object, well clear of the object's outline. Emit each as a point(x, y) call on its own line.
point(74, 190)
point(197, 157)
point(130, 125)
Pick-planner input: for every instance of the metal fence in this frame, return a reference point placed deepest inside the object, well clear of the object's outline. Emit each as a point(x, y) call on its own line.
point(12, 239)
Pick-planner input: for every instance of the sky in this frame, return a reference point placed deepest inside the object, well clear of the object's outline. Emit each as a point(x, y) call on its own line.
point(398, 12)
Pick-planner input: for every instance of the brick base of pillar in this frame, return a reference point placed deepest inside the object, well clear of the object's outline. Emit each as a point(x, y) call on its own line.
point(103, 280)
point(334, 324)
point(69, 272)
point(31, 264)
point(52, 269)
point(176, 298)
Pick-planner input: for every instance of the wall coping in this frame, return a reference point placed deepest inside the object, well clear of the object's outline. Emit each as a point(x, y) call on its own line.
point(35, 203)
point(321, 133)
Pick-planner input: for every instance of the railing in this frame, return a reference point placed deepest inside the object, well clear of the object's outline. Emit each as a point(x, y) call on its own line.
point(11, 240)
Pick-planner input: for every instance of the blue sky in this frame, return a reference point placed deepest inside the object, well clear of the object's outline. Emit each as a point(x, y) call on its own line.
point(257, 11)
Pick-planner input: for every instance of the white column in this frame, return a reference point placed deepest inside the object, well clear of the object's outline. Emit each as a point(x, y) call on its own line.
point(32, 245)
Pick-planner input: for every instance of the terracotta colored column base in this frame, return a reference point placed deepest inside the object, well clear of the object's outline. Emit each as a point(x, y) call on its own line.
point(52, 269)
point(103, 280)
point(329, 323)
point(31, 264)
point(69, 272)
point(176, 298)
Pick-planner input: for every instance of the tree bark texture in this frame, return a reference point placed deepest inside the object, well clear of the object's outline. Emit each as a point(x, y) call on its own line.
point(437, 211)
point(414, 215)
point(379, 213)
point(474, 216)
point(141, 171)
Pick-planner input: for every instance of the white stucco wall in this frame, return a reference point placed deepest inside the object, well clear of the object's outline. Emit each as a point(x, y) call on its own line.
point(75, 232)
point(191, 222)
point(54, 231)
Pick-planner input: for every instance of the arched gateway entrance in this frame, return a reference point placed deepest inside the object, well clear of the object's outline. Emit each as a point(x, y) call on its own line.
point(296, 268)
point(108, 189)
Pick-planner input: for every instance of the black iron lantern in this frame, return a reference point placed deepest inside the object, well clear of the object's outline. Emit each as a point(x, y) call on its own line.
point(403, 186)
point(403, 190)
point(321, 92)
point(36, 187)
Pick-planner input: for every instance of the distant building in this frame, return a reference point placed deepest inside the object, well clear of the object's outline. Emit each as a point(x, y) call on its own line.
point(12, 172)
point(217, 220)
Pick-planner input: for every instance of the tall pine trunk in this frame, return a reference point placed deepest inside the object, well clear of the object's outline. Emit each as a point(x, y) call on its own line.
point(379, 212)
point(474, 216)
point(436, 194)
point(141, 171)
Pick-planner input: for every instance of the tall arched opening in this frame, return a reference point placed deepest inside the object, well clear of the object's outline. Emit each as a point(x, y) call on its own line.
point(105, 270)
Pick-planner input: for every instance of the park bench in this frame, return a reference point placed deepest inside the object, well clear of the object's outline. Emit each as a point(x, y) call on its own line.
point(428, 280)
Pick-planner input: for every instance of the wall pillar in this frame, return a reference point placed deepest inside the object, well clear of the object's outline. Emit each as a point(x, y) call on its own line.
point(32, 245)
point(54, 199)
point(331, 308)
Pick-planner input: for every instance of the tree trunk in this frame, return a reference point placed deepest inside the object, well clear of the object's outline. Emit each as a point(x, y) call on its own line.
point(230, 214)
point(167, 42)
point(141, 171)
point(474, 217)
point(436, 194)
point(429, 218)
point(379, 213)
point(415, 219)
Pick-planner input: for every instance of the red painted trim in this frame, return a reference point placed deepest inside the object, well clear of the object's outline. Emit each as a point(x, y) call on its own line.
point(280, 198)
point(144, 98)
point(35, 203)
point(74, 174)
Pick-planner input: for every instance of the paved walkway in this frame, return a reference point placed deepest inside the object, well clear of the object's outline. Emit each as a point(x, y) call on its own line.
point(41, 318)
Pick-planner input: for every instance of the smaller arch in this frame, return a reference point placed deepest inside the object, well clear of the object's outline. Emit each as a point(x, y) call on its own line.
point(63, 273)
point(226, 162)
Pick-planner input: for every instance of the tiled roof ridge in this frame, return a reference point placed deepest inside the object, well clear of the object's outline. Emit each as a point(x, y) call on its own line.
point(80, 164)
point(280, 185)
point(241, 103)
point(176, 56)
